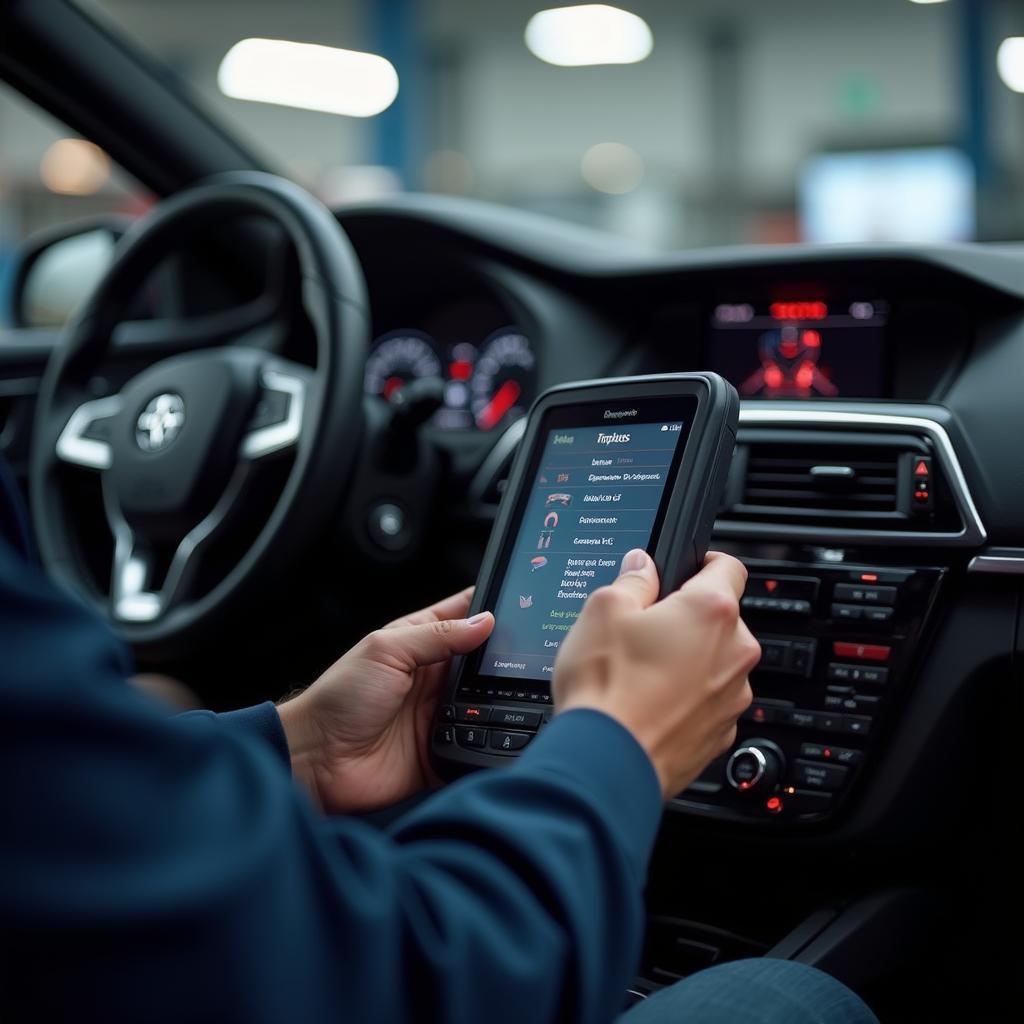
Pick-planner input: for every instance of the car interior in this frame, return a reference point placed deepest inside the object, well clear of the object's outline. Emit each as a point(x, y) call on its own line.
point(360, 374)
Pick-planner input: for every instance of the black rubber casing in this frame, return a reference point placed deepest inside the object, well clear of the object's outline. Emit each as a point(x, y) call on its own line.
point(679, 547)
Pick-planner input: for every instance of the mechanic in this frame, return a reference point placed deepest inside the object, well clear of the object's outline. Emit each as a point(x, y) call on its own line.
point(159, 867)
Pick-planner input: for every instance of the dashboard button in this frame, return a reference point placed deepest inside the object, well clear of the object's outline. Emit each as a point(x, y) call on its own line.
point(446, 713)
point(879, 614)
point(514, 718)
point(472, 713)
point(860, 725)
point(444, 734)
point(866, 652)
point(509, 740)
point(865, 594)
point(847, 612)
point(870, 674)
point(826, 752)
point(773, 653)
point(797, 717)
point(811, 775)
point(801, 657)
point(470, 736)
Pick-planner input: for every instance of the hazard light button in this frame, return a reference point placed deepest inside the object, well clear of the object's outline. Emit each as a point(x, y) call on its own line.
point(921, 483)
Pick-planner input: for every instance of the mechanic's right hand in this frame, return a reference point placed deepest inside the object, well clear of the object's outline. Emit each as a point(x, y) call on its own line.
point(673, 672)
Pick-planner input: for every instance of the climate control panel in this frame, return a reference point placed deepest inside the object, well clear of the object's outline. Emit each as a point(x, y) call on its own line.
point(837, 643)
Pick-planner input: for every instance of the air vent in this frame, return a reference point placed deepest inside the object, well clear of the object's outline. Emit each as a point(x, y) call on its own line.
point(850, 480)
point(813, 479)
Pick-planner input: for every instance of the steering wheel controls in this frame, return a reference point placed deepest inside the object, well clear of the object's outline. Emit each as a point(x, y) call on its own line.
point(824, 683)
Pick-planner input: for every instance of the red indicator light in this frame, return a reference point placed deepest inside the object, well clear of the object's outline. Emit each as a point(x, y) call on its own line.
point(744, 785)
point(805, 376)
point(773, 804)
point(391, 385)
point(771, 586)
point(812, 339)
point(827, 752)
point(921, 469)
point(773, 376)
point(460, 369)
point(921, 495)
point(758, 714)
point(798, 310)
point(869, 577)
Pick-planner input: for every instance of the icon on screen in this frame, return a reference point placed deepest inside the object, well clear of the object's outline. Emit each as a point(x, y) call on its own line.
point(558, 499)
point(537, 563)
point(526, 600)
point(551, 520)
point(664, 427)
point(544, 540)
point(562, 478)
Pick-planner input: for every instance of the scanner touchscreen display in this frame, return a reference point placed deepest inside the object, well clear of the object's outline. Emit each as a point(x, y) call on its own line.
point(599, 484)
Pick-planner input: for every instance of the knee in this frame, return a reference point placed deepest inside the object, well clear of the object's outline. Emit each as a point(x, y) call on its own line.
point(763, 991)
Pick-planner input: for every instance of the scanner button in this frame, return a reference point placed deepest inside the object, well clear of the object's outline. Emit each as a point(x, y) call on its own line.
point(470, 736)
point(514, 718)
point(509, 741)
point(472, 713)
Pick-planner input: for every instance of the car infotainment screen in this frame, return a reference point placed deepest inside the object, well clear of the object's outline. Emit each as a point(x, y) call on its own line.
point(599, 488)
point(801, 349)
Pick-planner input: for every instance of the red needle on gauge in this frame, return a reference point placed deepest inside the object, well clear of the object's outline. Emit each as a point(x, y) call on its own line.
point(503, 400)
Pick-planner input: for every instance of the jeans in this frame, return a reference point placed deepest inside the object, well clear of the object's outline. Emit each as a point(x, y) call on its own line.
point(754, 992)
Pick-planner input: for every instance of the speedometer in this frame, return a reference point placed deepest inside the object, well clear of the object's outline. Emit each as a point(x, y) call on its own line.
point(504, 379)
point(399, 357)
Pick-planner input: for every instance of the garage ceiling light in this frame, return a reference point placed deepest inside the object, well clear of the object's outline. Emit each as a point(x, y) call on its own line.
point(308, 76)
point(1010, 62)
point(588, 34)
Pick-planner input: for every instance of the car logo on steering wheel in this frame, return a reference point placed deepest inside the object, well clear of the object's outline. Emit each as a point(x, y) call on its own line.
point(160, 422)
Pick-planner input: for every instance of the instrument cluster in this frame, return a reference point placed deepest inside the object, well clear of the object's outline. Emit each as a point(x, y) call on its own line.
point(488, 381)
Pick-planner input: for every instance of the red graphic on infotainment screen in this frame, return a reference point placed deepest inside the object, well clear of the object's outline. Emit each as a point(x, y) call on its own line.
point(789, 367)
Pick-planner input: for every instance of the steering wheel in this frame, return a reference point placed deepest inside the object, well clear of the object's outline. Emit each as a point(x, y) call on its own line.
point(179, 446)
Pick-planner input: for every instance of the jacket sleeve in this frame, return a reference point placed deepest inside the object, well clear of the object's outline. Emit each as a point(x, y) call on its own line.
point(159, 868)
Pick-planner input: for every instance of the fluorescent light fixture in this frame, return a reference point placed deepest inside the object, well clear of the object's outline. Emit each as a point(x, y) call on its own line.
point(588, 34)
point(923, 2)
point(1010, 62)
point(308, 76)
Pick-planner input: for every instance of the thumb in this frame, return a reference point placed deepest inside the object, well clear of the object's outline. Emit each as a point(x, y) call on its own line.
point(429, 642)
point(638, 576)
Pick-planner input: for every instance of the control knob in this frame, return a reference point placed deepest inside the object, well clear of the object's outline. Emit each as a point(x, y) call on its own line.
point(755, 767)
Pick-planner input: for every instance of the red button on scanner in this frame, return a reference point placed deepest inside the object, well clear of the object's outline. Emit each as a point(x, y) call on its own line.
point(866, 652)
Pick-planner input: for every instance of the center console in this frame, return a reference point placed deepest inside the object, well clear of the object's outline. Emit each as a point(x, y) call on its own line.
point(838, 642)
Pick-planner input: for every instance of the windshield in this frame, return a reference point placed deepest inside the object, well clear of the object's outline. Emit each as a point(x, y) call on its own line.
point(675, 123)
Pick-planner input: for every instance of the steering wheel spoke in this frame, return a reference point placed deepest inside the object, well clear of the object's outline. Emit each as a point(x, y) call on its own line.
point(84, 441)
point(276, 423)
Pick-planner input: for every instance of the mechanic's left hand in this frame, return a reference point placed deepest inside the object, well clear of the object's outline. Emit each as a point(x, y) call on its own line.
point(360, 735)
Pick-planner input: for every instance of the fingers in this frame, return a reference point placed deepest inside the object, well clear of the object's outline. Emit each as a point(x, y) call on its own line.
point(638, 578)
point(414, 645)
point(454, 606)
point(718, 586)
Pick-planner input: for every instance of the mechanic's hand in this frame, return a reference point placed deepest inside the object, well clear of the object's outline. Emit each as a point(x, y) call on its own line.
point(359, 736)
point(673, 672)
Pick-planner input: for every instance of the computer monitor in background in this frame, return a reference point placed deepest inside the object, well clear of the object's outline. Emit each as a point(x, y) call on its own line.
point(923, 194)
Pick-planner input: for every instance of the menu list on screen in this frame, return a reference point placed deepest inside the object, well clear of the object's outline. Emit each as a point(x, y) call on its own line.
point(595, 495)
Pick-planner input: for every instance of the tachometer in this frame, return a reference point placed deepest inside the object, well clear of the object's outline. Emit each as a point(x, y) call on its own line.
point(504, 379)
point(399, 357)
